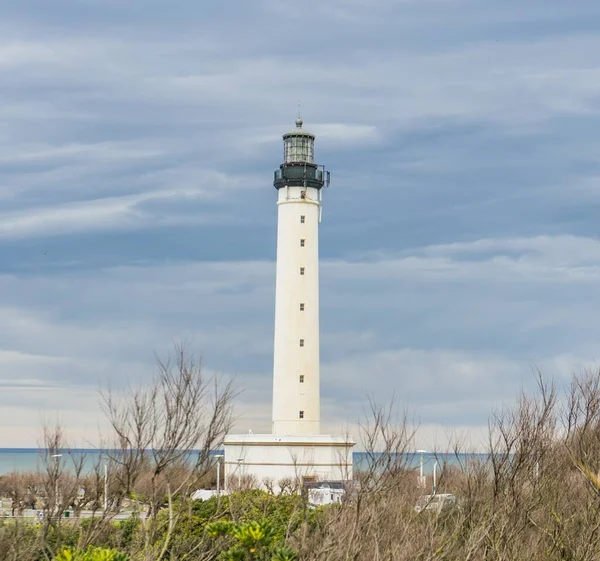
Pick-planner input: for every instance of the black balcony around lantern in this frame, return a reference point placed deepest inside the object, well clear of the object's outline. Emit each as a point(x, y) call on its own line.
point(299, 175)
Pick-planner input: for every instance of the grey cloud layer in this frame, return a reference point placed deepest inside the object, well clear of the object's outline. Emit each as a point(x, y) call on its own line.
point(451, 340)
point(137, 143)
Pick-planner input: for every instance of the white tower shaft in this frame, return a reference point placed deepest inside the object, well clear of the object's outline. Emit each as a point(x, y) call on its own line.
point(296, 396)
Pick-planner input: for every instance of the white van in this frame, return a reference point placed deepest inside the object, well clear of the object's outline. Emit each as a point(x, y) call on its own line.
point(436, 502)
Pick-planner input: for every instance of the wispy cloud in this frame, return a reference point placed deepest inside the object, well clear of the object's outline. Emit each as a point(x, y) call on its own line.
point(541, 259)
point(110, 213)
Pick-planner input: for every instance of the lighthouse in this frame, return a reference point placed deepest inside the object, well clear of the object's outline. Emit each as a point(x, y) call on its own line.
point(299, 183)
point(295, 450)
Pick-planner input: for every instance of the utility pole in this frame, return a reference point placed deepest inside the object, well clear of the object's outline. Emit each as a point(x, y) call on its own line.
point(105, 486)
point(422, 481)
point(219, 459)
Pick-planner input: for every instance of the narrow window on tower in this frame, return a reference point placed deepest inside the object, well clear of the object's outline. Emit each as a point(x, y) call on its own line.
point(301, 270)
point(302, 306)
point(301, 243)
point(302, 378)
point(301, 414)
point(302, 342)
point(302, 219)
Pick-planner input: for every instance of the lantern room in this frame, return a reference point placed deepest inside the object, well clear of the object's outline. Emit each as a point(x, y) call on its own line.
point(298, 145)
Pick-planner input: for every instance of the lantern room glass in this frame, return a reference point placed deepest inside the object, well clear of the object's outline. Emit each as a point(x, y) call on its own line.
point(298, 149)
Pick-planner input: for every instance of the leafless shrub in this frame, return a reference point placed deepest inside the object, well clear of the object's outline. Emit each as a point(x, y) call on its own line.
point(242, 482)
point(164, 436)
point(534, 494)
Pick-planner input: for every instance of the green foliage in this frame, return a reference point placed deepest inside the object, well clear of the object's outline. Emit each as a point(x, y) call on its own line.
point(100, 532)
point(246, 526)
point(234, 525)
point(285, 513)
point(284, 554)
point(16, 540)
point(62, 536)
point(254, 535)
point(211, 507)
point(128, 529)
point(248, 541)
point(91, 554)
point(220, 528)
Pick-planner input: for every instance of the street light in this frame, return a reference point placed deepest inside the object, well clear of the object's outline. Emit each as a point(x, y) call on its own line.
point(56, 464)
point(219, 458)
point(240, 461)
point(421, 478)
point(105, 486)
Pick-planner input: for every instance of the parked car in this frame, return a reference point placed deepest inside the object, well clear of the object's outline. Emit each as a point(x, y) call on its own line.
point(436, 503)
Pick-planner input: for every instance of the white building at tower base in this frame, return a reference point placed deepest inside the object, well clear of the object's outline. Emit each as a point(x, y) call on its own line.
point(268, 460)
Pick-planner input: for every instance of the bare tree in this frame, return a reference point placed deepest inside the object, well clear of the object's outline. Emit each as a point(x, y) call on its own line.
point(59, 486)
point(385, 436)
point(170, 427)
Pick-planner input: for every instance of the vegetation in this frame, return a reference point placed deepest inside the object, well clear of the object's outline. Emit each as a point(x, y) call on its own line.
point(534, 496)
point(91, 554)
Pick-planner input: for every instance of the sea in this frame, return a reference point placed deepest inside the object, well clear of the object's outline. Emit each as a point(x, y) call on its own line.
point(32, 459)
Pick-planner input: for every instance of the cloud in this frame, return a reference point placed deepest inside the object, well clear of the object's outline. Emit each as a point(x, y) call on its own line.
point(459, 240)
point(412, 329)
point(344, 132)
point(110, 213)
point(541, 259)
point(16, 54)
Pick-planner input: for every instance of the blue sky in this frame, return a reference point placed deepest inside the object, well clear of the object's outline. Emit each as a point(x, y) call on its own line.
point(459, 244)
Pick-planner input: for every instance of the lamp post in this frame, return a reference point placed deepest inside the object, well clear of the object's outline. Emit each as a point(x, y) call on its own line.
point(219, 458)
point(57, 458)
point(105, 486)
point(240, 461)
point(421, 477)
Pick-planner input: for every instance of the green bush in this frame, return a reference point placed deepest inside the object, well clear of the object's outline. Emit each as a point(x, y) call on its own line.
point(128, 530)
point(91, 554)
point(284, 554)
point(248, 541)
point(285, 513)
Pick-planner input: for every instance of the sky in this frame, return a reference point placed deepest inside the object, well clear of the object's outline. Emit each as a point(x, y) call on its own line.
point(459, 243)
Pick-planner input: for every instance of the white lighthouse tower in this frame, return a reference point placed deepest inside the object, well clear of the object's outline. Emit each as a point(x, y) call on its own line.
point(296, 449)
point(296, 399)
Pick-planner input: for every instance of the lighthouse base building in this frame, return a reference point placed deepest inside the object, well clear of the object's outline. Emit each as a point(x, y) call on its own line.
point(295, 452)
point(269, 461)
